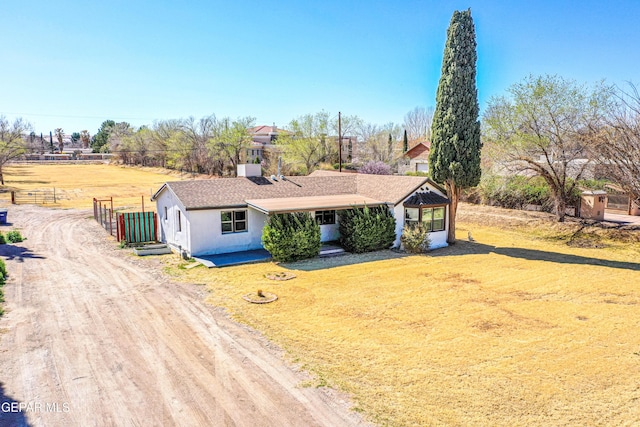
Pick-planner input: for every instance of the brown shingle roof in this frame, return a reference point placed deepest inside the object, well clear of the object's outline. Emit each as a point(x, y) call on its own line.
point(232, 192)
point(387, 188)
point(227, 192)
point(420, 150)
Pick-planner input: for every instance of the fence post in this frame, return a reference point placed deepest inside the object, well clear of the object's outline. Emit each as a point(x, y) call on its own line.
point(110, 222)
point(155, 227)
point(13, 197)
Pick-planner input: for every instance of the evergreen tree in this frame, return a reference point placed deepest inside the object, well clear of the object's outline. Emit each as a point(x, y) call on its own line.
point(405, 143)
point(100, 139)
point(454, 159)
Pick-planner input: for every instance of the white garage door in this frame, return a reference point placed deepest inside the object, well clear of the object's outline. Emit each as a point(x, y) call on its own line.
point(422, 167)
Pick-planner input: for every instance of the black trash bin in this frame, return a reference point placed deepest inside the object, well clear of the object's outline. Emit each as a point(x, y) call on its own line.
point(3, 216)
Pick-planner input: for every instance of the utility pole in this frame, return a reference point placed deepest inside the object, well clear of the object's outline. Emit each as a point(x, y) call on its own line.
point(339, 141)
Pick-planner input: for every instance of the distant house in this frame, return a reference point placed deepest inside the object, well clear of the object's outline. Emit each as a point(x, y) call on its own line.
point(418, 157)
point(206, 217)
point(263, 140)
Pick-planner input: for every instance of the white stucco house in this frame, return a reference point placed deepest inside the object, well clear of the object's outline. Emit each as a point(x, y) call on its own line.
point(224, 215)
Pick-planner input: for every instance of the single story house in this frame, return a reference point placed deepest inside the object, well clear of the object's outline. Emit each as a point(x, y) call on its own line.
point(224, 215)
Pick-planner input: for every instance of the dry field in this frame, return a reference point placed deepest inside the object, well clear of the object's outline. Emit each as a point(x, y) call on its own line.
point(77, 184)
point(534, 323)
point(516, 328)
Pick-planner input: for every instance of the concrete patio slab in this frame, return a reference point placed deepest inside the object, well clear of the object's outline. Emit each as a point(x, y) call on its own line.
point(622, 219)
point(234, 258)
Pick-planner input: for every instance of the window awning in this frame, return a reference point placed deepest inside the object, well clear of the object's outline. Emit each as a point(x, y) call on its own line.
point(426, 198)
point(311, 203)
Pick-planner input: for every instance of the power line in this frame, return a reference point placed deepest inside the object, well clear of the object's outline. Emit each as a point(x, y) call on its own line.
point(62, 116)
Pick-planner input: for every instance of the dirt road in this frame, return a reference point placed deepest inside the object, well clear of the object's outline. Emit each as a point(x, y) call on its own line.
point(93, 336)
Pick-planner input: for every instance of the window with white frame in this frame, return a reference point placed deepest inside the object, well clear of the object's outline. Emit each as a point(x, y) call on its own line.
point(179, 220)
point(233, 221)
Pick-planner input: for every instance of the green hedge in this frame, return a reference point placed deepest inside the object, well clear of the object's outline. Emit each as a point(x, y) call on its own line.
point(292, 236)
point(14, 236)
point(367, 229)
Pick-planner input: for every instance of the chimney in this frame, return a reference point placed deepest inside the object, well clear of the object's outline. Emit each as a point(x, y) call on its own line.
point(248, 170)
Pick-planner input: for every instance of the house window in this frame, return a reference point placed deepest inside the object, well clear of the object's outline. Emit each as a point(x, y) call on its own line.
point(179, 221)
point(166, 215)
point(411, 216)
point(326, 217)
point(427, 218)
point(233, 221)
point(438, 219)
point(432, 218)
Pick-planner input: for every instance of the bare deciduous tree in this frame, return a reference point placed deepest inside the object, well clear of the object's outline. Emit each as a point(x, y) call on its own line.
point(541, 131)
point(618, 141)
point(85, 137)
point(233, 139)
point(381, 143)
point(417, 123)
point(12, 141)
point(59, 136)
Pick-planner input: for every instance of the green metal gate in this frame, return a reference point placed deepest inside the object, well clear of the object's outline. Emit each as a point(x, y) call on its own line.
point(137, 227)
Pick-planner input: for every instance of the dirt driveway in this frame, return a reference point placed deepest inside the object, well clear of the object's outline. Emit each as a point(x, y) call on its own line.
point(93, 336)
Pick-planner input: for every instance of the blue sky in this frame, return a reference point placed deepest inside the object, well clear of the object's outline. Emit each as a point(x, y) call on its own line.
point(74, 64)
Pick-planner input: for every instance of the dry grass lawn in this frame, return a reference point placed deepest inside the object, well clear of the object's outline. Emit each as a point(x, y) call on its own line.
point(516, 328)
point(77, 184)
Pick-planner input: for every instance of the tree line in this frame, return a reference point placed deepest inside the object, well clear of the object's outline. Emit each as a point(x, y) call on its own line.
point(215, 146)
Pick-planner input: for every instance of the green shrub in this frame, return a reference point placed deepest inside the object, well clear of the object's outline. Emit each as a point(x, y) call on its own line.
point(291, 236)
point(367, 229)
point(3, 272)
point(3, 240)
point(346, 166)
point(14, 236)
point(515, 192)
point(415, 239)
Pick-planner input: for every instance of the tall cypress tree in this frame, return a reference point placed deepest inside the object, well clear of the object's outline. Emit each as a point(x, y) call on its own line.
point(454, 159)
point(405, 142)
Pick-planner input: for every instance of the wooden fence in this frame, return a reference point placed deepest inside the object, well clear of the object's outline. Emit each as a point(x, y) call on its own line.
point(103, 213)
point(35, 197)
point(129, 227)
